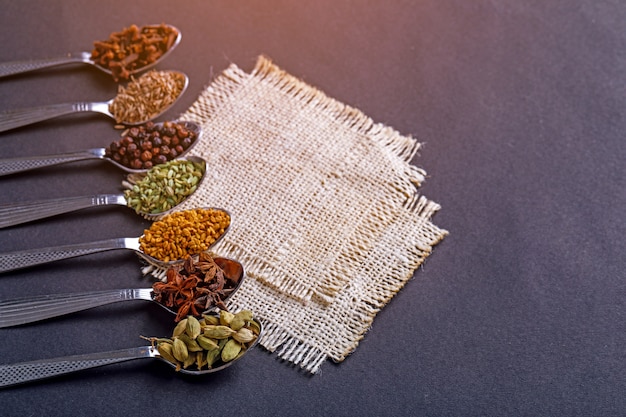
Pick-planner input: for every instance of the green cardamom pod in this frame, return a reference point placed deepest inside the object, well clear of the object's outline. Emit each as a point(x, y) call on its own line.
point(192, 328)
point(237, 323)
point(192, 345)
point(165, 351)
point(212, 356)
point(211, 320)
point(191, 359)
point(231, 350)
point(226, 317)
point(244, 335)
point(206, 343)
point(179, 350)
point(200, 360)
point(241, 319)
point(254, 327)
point(218, 332)
point(246, 315)
point(180, 328)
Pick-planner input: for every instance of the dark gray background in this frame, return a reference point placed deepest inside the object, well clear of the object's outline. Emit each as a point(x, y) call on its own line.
point(520, 104)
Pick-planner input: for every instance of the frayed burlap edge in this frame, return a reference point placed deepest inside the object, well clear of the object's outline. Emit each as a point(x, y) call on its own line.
point(307, 336)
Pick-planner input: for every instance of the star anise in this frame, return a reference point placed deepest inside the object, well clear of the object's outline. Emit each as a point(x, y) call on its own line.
point(187, 307)
point(198, 286)
point(176, 287)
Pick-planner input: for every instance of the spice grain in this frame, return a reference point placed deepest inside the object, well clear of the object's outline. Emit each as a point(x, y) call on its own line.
point(164, 186)
point(184, 233)
point(144, 98)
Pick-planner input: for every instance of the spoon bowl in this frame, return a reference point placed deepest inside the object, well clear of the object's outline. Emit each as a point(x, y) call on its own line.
point(20, 67)
point(22, 164)
point(26, 310)
point(11, 261)
point(20, 213)
point(13, 119)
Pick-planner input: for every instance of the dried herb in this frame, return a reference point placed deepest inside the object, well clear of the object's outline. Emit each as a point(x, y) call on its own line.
point(199, 285)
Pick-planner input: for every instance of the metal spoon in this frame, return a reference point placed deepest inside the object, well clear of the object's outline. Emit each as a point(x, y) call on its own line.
point(31, 309)
point(19, 67)
point(20, 373)
point(14, 214)
point(22, 117)
point(21, 164)
point(11, 261)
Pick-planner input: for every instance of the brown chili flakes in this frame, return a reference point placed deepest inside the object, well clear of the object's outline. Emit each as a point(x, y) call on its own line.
point(133, 48)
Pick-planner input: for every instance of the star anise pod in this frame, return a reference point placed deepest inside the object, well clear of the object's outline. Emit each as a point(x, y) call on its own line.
point(189, 267)
point(186, 308)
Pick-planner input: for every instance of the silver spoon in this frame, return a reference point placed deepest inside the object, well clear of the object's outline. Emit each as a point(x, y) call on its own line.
point(22, 117)
point(11, 261)
point(19, 67)
point(31, 309)
point(22, 164)
point(19, 213)
point(20, 373)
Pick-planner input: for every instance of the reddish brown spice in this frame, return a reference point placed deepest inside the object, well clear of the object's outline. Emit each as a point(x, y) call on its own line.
point(149, 144)
point(198, 285)
point(133, 48)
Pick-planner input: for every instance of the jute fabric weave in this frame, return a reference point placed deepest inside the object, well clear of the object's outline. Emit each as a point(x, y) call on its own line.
point(326, 216)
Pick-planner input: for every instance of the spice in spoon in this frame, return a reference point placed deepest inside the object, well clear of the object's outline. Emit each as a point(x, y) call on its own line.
point(209, 342)
point(184, 233)
point(198, 286)
point(133, 48)
point(164, 186)
point(150, 144)
point(144, 98)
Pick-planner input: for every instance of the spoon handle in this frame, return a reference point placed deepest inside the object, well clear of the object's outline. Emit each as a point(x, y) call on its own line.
point(32, 309)
point(21, 164)
point(22, 259)
point(14, 214)
point(22, 117)
point(20, 373)
point(19, 67)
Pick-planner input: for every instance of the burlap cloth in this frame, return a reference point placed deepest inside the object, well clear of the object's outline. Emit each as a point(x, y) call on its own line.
point(327, 220)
